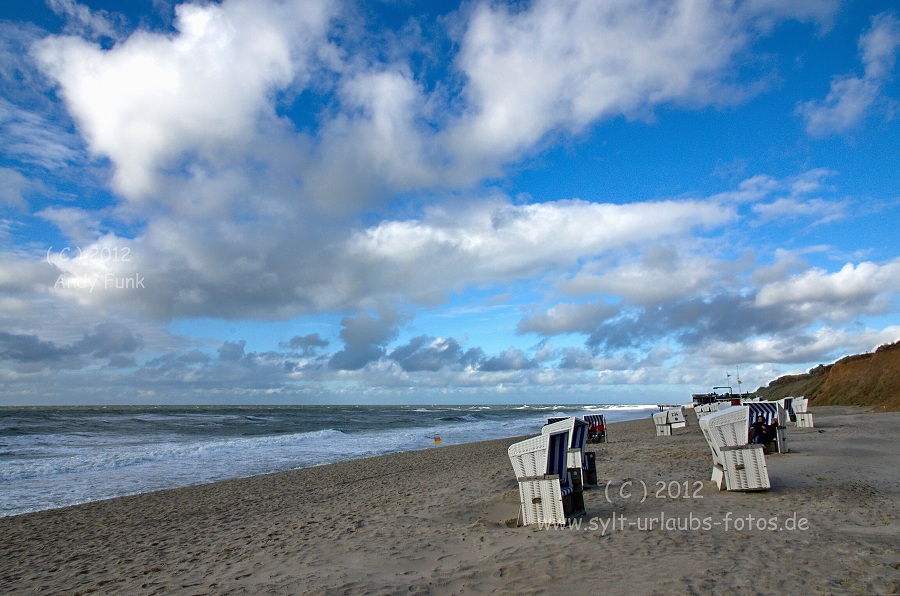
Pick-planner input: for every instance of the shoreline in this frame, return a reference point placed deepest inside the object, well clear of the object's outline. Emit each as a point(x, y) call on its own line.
point(442, 520)
point(122, 454)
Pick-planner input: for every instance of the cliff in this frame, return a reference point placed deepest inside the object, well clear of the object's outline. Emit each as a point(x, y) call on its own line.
point(871, 379)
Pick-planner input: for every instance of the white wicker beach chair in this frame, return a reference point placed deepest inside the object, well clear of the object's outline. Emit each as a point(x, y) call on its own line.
point(661, 421)
point(772, 412)
point(545, 493)
point(667, 421)
point(801, 409)
point(737, 464)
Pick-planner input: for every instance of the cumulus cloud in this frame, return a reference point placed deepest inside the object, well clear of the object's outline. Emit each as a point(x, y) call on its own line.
point(232, 351)
point(509, 360)
point(492, 242)
point(852, 98)
point(861, 287)
point(108, 339)
point(579, 61)
point(660, 274)
point(306, 345)
point(784, 210)
point(153, 97)
point(424, 353)
point(365, 338)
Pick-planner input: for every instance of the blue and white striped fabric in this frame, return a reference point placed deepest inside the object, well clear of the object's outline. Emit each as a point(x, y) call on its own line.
point(556, 459)
point(595, 420)
point(768, 410)
point(579, 435)
point(579, 431)
point(789, 408)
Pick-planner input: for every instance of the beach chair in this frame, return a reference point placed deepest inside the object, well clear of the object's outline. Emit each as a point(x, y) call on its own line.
point(666, 421)
point(772, 412)
point(737, 464)
point(677, 417)
point(576, 462)
point(788, 404)
point(804, 417)
point(706, 409)
point(661, 421)
point(545, 493)
point(597, 429)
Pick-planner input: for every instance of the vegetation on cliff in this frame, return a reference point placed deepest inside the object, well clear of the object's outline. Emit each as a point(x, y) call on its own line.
point(871, 379)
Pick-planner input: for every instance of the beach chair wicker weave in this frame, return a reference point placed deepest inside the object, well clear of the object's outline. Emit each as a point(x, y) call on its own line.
point(736, 464)
point(545, 494)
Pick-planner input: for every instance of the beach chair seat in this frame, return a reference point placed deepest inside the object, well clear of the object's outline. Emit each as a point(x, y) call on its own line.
point(546, 495)
point(737, 465)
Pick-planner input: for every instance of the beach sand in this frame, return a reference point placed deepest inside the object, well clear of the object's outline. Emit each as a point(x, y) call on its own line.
point(443, 520)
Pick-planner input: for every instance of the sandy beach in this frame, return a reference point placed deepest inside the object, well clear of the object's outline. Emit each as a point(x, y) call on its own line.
point(443, 520)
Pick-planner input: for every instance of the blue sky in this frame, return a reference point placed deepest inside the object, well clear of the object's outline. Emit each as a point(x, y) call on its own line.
point(260, 201)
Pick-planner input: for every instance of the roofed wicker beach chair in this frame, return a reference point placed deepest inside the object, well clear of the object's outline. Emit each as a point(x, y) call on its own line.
point(666, 421)
point(661, 422)
point(737, 464)
point(576, 460)
point(546, 494)
point(804, 417)
point(772, 412)
point(597, 430)
point(705, 409)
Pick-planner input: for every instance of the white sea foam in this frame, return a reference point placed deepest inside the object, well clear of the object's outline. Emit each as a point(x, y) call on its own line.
point(43, 470)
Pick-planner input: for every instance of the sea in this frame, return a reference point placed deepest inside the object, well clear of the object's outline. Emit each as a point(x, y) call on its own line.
point(54, 457)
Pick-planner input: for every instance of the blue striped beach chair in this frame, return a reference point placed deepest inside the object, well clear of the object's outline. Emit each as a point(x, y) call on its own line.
point(597, 430)
point(772, 412)
point(576, 460)
point(545, 492)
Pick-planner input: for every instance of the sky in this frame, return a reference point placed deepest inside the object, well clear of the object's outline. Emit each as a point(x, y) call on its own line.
point(373, 202)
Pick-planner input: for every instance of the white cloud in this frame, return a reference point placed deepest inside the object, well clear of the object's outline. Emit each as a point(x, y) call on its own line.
point(13, 186)
point(852, 98)
point(799, 347)
point(495, 242)
point(859, 286)
point(660, 275)
point(568, 318)
point(785, 210)
point(153, 97)
point(82, 21)
point(558, 66)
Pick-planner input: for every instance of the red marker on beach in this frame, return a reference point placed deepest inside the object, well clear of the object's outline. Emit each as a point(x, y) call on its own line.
point(437, 440)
